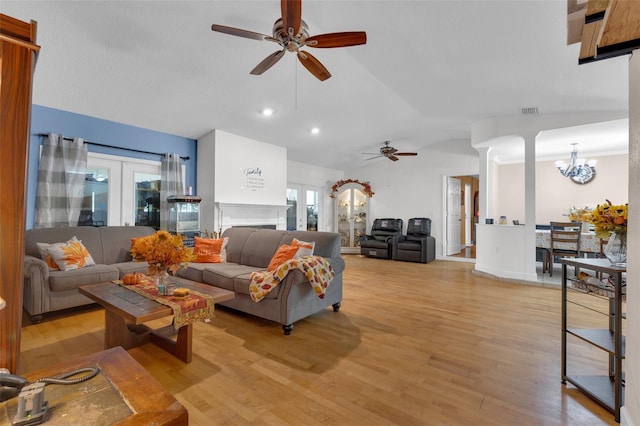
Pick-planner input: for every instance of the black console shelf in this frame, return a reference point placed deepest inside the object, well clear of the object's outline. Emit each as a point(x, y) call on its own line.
point(606, 389)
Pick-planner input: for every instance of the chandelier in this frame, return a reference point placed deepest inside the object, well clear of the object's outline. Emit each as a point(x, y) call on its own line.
point(577, 169)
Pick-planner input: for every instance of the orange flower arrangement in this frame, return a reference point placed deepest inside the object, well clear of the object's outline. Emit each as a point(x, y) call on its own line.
point(608, 218)
point(365, 185)
point(162, 251)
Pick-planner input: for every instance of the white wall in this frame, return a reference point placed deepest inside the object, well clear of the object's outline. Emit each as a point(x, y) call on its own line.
point(412, 186)
point(556, 194)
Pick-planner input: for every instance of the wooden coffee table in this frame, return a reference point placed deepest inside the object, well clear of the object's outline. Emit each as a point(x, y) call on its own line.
point(122, 393)
point(127, 311)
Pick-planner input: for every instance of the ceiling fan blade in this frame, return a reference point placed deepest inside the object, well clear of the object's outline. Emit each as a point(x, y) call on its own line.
point(392, 157)
point(238, 32)
point(406, 153)
point(313, 65)
point(291, 15)
point(344, 39)
point(377, 156)
point(267, 62)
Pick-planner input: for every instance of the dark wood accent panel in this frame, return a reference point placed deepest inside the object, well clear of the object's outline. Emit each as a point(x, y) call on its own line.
point(610, 28)
point(17, 59)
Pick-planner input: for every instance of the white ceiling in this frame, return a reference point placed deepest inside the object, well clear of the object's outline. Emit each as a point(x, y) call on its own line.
point(428, 71)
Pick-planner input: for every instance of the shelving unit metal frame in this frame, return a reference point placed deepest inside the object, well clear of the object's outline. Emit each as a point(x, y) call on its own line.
point(607, 390)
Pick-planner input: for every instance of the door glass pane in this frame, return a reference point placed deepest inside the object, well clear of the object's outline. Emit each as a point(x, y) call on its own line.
point(95, 203)
point(292, 213)
point(147, 199)
point(359, 215)
point(312, 210)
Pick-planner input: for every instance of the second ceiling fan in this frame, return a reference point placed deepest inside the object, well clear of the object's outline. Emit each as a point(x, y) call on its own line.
point(292, 34)
point(390, 152)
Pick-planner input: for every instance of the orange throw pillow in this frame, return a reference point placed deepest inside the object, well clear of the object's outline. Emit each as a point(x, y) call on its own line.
point(284, 253)
point(208, 250)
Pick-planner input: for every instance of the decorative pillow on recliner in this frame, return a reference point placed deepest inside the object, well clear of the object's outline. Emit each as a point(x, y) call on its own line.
point(304, 248)
point(70, 255)
point(210, 251)
point(284, 253)
point(42, 248)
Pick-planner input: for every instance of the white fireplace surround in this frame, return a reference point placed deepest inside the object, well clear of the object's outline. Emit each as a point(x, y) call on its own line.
point(229, 215)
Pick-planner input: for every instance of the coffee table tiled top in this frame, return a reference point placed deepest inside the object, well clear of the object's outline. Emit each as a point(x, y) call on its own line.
point(123, 393)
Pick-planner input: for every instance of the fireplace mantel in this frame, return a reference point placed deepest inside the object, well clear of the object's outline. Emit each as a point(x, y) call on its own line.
point(236, 214)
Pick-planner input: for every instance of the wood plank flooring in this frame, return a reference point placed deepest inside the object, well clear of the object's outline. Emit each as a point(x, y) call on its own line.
point(413, 344)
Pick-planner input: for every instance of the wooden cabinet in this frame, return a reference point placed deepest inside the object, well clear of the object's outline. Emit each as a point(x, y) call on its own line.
point(17, 60)
point(605, 281)
point(351, 212)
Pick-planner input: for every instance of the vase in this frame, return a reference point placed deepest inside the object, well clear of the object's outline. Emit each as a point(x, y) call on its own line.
point(616, 249)
point(159, 275)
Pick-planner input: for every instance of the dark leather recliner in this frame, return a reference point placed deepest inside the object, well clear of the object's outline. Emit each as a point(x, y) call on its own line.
point(418, 245)
point(381, 241)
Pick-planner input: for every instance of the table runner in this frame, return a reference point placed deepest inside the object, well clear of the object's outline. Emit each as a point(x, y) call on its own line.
point(194, 307)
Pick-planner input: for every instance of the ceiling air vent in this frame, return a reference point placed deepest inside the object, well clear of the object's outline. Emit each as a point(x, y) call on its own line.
point(530, 110)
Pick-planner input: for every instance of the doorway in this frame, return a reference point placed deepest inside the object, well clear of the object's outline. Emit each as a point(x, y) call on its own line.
point(461, 212)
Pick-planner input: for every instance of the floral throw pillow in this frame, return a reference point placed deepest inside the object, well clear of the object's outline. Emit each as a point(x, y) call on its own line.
point(44, 254)
point(304, 248)
point(70, 255)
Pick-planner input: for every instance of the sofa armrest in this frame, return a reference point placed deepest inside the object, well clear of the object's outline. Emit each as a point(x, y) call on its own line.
point(337, 264)
point(36, 285)
point(34, 267)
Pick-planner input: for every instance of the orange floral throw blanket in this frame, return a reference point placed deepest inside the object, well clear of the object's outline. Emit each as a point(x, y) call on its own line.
point(317, 269)
point(196, 306)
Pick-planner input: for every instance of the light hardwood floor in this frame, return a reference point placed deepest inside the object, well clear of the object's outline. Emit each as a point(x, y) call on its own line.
point(413, 344)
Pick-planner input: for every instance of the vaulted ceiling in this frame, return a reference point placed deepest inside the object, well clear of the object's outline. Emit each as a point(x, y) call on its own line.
point(428, 71)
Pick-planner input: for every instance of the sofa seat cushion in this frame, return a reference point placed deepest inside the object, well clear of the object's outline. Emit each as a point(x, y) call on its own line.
point(375, 244)
point(132, 266)
point(68, 280)
point(241, 286)
point(194, 271)
point(223, 274)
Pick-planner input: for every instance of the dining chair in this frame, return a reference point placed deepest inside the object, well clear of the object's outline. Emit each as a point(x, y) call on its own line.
point(565, 241)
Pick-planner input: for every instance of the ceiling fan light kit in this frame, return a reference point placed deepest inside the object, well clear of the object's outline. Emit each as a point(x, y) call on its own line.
point(292, 34)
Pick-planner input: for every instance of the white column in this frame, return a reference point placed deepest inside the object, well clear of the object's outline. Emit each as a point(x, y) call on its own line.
point(530, 207)
point(630, 413)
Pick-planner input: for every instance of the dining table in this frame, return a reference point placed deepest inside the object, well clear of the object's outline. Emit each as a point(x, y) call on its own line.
point(589, 242)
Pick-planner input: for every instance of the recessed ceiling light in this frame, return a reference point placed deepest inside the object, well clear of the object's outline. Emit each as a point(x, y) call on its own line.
point(315, 131)
point(267, 112)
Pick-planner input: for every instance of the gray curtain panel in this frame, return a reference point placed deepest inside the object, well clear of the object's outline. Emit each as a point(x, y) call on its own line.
point(171, 184)
point(61, 175)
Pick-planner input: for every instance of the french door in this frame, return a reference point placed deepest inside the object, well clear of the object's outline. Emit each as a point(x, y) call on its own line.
point(121, 192)
point(305, 211)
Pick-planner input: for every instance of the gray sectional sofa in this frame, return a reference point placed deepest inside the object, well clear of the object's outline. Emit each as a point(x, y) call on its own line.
point(47, 291)
point(248, 250)
point(251, 249)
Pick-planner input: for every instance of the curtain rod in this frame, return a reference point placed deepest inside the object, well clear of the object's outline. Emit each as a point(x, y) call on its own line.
point(115, 147)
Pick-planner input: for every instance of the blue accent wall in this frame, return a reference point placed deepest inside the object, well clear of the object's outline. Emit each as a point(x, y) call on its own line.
point(50, 120)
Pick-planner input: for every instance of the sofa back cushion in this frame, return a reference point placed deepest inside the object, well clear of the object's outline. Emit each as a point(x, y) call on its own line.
point(255, 247)
point(89, 236)
point(116, 241)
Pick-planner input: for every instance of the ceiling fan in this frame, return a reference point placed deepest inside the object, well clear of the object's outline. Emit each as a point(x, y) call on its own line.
point(390, 152)
point(291, 32)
